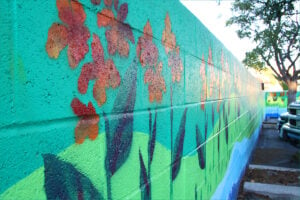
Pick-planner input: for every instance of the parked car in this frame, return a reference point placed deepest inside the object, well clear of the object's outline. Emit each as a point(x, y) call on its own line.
point(283, 118)
point(291, 129)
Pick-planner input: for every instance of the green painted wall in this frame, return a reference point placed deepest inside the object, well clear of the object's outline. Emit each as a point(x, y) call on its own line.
point(119, 99)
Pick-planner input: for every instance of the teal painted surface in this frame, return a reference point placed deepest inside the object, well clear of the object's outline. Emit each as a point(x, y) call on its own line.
point(38, 123)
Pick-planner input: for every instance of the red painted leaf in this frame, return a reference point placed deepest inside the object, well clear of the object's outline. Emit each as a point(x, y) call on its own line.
point(70, 12)
point(88, 123)
point(73, 33)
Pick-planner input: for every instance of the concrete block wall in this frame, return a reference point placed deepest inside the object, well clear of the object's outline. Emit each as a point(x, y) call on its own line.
point(120, 100)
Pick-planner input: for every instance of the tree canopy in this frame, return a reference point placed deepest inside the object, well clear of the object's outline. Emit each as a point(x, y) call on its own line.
point(274, 27)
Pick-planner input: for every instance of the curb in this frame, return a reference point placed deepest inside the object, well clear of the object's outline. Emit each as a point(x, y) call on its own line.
point(273, 191)
point(267, 167)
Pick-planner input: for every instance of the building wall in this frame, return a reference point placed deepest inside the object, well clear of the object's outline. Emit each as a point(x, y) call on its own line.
point(122, 99)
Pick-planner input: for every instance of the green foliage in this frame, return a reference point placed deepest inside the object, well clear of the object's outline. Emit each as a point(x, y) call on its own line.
point(274, 27)
point(253, 60)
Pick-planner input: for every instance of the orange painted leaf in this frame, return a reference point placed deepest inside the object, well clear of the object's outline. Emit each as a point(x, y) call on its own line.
point(105, 18)
point(146, 50)
point(156, 83)
point(168, 37)
point(99, 92)
point(57, 39)
point(148, 30)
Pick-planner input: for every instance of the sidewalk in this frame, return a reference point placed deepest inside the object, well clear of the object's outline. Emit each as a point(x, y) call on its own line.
point(275, 164)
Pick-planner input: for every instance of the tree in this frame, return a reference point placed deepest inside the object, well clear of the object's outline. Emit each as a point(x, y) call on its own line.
point(274, 27)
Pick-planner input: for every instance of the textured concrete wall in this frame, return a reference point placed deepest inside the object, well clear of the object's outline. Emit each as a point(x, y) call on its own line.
point(120, 99)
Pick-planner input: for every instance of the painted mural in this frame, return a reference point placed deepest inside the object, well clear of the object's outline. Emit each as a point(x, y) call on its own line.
point(276, 103)
point(114, 100)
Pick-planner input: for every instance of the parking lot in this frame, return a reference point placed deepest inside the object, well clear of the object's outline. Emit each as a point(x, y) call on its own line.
point(281, 162)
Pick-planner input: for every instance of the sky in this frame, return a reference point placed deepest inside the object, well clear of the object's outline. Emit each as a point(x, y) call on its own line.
point(214, 15)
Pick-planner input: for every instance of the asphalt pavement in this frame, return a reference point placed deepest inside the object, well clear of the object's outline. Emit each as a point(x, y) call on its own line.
point(272, 150)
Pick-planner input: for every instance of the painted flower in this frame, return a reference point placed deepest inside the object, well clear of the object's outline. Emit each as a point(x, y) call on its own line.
point(72, 32)
point(203, 78)
point(88, 123)
point(146, 50)
point(156, 83)
point(104, 72)
point(168, 38)
point(176, 65)
point(173, 52)
point(118, 32)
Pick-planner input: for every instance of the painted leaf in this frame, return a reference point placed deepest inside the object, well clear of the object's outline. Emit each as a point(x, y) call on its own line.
point(118, 33)
point(144, 182)
point(178, 147)
point(96, 2)
point(219, 135)
point(168, 37)
point(70, 12)
point(64, 181)
point(196, 194)
point(146, 51)
point(57, 40)
point(104, 72)
point(174, 61)
point(151, 143)
point(226, 129)
point(150, 120)
point(122, 12)
point(200, 148)
point(72, 33)
point(88, 123)
point(212, 115)
point(119, 129)
point(78, 47)
point(156, 83)
point(203, 78)
point(105, 17)
point(108, 3)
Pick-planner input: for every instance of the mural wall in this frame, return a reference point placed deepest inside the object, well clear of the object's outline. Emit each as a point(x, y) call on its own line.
point(120, 99)
point(276, 103)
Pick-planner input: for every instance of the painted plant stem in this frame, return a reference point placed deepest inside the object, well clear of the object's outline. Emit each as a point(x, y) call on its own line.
point(144, 180)
point(171, 119)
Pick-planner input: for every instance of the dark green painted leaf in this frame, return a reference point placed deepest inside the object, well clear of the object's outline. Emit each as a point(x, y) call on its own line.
point(64, 181)
point(201, 150)
point(151, 143)
point(119, 128)
point(178, 147)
